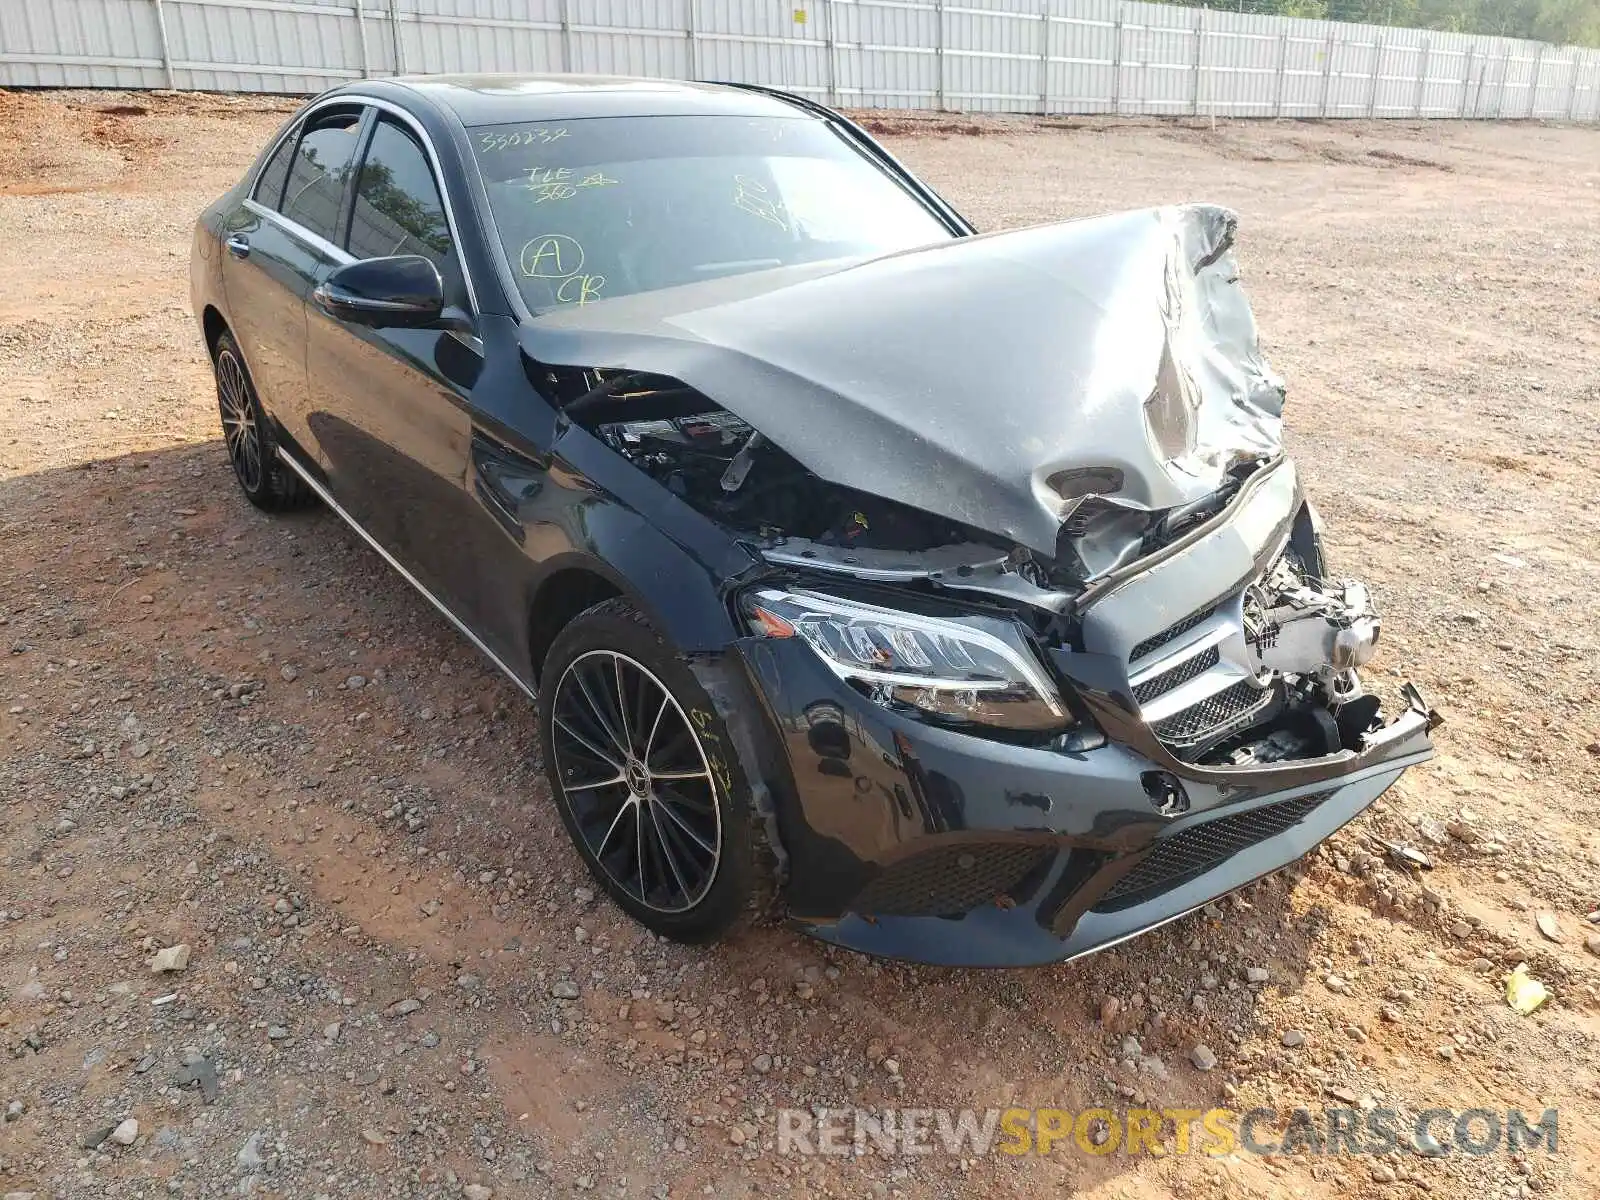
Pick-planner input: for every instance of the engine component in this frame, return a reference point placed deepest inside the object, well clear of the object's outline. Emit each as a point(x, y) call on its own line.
point(1300, 626)
point(731, 473)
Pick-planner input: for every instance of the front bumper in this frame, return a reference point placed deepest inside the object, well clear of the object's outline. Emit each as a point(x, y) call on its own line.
point(1017, 855)
point(909, 840)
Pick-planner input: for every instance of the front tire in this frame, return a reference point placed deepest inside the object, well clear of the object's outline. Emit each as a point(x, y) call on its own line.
point(252, 449)
point(645, 777)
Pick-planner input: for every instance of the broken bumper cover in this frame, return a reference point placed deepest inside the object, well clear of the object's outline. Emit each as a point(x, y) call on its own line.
point(912, 841)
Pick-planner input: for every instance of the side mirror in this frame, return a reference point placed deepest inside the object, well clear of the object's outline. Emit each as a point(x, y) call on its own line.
point(404, 291)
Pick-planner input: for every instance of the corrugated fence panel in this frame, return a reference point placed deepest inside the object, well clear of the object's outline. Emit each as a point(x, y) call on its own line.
point(471, 35)
point(288, 45)
point(1019, 56)
point(631, 37)
point(110, 43)
point(1585, 102)
point(994, 55)
point(1084, 62)
point(1239, 64)
point(887, 53)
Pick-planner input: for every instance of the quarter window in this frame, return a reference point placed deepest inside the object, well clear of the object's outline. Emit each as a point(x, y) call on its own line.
point(322, 162)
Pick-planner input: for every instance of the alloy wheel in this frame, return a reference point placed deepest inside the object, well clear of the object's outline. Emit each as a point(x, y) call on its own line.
point(636, 780)
point(239, 421)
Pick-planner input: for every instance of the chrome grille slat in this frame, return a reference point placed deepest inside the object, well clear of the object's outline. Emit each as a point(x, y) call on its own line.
point(1170, 634)
point(1198, 688)
point(1190, 668)
point(1193, 642)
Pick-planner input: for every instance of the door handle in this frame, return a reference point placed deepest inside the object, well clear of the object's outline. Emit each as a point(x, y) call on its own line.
point(239, 246)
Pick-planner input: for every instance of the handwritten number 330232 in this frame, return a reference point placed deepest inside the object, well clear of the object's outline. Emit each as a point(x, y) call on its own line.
point(490, 142)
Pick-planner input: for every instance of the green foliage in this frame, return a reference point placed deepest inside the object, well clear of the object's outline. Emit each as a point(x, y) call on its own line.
point(1560, 22)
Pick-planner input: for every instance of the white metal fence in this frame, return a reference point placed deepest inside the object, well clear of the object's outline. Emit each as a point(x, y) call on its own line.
point(1023, 56)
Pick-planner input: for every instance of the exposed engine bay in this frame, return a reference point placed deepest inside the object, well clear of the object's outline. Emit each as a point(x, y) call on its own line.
point(728, 471)
point(725, 469)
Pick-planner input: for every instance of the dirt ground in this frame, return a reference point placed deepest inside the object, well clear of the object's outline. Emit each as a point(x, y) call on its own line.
point(246, 735)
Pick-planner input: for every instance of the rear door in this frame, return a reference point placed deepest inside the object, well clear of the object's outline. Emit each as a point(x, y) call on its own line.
point(278, 243)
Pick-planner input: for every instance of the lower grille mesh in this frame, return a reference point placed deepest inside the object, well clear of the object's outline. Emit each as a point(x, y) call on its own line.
point(1197, 849)
point(1214, 711)
point(954, 879)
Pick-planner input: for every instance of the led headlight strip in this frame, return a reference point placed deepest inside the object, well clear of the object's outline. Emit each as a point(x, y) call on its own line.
point(955, 667)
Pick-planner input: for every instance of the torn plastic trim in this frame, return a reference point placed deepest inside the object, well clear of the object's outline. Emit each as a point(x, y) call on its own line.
point(736, 708)
point(1262, 512)
point(1403, 742)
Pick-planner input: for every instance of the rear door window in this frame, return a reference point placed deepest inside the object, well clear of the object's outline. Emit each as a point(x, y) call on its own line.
point(269, 184)
point(314, 195)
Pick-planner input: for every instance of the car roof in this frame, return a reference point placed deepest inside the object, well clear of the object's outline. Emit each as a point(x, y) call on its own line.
point(500, 99)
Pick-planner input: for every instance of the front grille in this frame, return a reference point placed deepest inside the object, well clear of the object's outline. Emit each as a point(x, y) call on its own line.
point(955, 879)
point(1172, 632)
point(1197, 849)
point(1213, 713)
point(1189, 668)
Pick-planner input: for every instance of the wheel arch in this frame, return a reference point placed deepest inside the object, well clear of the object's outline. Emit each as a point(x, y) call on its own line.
point(560, 596)
point(214, 325)
point(622, 554)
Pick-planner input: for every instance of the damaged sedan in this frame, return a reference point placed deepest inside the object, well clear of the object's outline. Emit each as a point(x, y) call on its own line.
point(952, 591)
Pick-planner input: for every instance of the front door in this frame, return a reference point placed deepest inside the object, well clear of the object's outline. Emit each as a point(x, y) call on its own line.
point(390, 409)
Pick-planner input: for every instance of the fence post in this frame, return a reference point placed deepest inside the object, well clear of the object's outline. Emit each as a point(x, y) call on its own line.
point(1466, 84)
point(1044, 58)
point(830, 47)
point(166, 50)
point(1422, 74)
point(938, 54)
point(566, 36)
point(1500, 96)
point(1116, 64)
point(361, 36)
point(692, 37)
point(1572, 92)
point(1533, 89)
point(1377, 73)
point(1327, 75)
point(1199, 43)
point(1283, 74)
point(398, 41)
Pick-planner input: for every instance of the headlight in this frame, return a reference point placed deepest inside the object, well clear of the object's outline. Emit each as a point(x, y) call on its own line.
point(958, 668)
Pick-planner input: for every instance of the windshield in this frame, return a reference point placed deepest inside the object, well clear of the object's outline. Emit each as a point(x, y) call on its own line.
point(606, 206)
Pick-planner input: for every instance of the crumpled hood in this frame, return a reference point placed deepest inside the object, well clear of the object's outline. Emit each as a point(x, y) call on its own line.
point(995, 380)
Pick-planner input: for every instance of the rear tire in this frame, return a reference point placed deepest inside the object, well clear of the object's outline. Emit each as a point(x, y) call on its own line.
point(645, 776)
point(263, 477)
